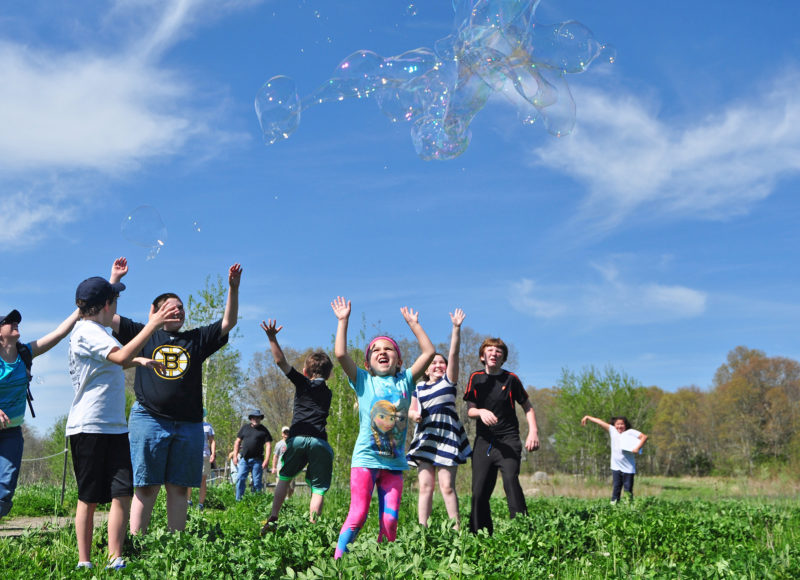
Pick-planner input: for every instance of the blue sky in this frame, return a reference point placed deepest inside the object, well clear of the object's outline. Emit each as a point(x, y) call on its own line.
point(658, 236)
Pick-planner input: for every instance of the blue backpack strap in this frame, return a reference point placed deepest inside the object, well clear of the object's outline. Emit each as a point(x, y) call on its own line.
point(26, 355)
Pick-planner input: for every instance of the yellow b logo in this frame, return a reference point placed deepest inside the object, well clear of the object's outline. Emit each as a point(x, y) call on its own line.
point(175, 360)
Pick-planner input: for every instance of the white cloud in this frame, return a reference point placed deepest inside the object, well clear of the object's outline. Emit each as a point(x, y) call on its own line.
point(85, 111)
point(525, 299)
point(26, 217)
point(716, 167)
point(610, 300)
point(96, 109)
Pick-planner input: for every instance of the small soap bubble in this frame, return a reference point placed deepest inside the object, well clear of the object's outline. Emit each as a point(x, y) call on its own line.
point(411, 9)
point(317, 14)
point(144, 227)
point(38, 380)
point(196, 226)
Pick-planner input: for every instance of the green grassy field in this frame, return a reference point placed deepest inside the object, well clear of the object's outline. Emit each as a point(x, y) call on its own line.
point(688, 530)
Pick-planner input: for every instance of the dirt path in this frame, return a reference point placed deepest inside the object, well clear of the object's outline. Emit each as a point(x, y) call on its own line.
point(10, 527)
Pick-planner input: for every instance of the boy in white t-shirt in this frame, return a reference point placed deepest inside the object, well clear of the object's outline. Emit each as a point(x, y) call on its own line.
point(96, 426)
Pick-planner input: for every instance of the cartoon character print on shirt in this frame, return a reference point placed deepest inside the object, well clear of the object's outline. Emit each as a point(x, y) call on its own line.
point(388, 424)
point(175, 359)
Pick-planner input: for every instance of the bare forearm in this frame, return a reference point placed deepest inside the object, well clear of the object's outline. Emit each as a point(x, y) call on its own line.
point(231, 316)
point(455, 347)
point(278, 356)
point(125, 355)
point(530, 417)
point(51, 339)
point(427, 350)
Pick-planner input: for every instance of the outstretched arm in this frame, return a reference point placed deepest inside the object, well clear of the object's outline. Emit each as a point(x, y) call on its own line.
point(532, 442)
point(274, 347)
point(52, 338)
point(600, 422)
point(426, 346)
point(118, 270)
point(457, 317)
point(341, 308)
point(231, 316)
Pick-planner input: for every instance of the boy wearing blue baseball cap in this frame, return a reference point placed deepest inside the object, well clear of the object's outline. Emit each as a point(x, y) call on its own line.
point(96, 425)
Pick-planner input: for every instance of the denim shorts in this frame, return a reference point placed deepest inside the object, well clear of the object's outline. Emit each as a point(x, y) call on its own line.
point(165, 451)
point(11, 444)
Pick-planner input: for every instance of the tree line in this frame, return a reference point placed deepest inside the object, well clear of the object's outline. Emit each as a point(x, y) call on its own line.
point(746, 423)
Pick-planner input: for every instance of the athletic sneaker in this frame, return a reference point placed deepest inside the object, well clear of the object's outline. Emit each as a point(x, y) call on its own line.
point(88, 565)
point(269, 526)
point(116, 564)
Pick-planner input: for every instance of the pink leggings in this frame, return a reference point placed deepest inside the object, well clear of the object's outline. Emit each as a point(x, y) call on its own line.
point(390, 489)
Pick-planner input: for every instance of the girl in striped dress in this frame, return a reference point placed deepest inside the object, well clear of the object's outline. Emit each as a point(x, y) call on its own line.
point(440, 440)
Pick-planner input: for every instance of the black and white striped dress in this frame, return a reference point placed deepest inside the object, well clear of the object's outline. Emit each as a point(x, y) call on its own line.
point(440, 437)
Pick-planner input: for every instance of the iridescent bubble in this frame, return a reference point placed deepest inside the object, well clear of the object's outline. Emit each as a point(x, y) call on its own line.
point(196, 226)
point(440, 139)
point(411, 9)
point(278, 109)
point(144, 227)
point(495, 47)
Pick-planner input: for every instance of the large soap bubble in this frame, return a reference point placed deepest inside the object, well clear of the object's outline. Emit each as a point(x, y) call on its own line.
point(144, 227)
point(496, 47)
point(278, 109)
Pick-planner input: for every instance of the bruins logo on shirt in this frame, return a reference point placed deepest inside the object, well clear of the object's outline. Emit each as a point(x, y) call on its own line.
point(175, 360)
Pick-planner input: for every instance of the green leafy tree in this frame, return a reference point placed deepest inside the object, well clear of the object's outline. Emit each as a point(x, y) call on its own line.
point(682, 432)
point(756, 410)
point(601, 394)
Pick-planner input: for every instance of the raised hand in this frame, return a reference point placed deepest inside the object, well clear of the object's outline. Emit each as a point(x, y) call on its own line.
point(118, 269)
point(270, 328)
point(457, 317)
point(341, 308)
point(234, 275)
point(409, 314)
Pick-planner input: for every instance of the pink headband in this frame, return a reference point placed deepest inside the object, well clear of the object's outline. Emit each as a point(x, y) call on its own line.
point(372, 343)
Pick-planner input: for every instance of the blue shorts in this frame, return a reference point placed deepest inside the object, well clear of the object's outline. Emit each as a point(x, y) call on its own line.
point(165, 451)
point(316, 453)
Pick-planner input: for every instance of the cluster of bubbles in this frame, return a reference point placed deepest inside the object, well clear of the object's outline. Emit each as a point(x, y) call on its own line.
point(144, 227)
point(496, 47)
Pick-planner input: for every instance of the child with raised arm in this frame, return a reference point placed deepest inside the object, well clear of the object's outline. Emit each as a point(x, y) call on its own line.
point(166, 421)
point(490, 396)
point(307, 444)
point(626, 442)
point(440, 442)
point(384, 395)
point(96, 426)
point(16, 360)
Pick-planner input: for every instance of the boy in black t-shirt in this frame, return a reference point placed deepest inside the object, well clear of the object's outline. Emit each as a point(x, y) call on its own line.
point(166, 421)
point(490, 396)
point(251, 453)
point(307, 444)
